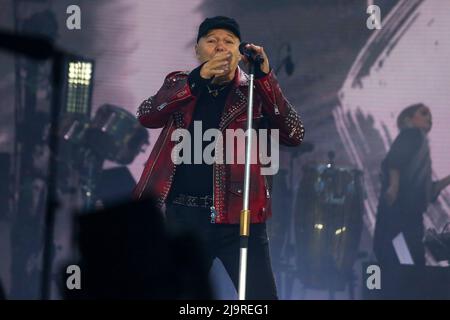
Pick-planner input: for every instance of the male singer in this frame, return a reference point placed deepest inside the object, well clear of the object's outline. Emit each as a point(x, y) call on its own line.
point(207, 198)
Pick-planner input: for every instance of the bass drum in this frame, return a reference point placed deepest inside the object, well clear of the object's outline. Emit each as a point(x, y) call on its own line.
point(116, 135)
point(328, 225)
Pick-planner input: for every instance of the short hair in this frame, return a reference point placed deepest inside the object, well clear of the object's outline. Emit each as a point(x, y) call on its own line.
point(407, 113)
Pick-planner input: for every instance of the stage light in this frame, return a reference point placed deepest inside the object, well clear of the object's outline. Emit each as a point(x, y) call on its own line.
point(79, 83)
point(318, 226)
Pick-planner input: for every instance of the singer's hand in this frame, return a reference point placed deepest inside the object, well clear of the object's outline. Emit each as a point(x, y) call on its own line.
point(265, 66)
point(391, 195)
point(219, 65)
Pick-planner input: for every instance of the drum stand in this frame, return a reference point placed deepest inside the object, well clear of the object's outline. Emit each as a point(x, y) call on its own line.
point(93, 165)
point(288, 269)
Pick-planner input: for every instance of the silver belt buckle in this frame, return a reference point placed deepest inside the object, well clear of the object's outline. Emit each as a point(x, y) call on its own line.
point(191, 201)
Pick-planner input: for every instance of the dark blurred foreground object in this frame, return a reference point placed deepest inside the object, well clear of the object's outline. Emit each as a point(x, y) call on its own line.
point(409, 282)
point(2, 293)
point(439, 243)
point(126, 253)
point(5, 161)
point(114, 186)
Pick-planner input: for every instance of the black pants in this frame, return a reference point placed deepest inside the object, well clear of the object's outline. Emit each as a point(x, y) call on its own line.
point(222, 241)
point(390, 222)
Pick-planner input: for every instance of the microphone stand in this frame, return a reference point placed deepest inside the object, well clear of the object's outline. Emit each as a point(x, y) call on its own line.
point(245, 212)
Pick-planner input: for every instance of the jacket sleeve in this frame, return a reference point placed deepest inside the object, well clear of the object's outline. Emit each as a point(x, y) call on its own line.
point(282, 115)
point(174, 93)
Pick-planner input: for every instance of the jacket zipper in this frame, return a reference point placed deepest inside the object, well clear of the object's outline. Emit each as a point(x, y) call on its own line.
point(214, 212)
point(213, 208)
point(275, 106)
point(267, 187)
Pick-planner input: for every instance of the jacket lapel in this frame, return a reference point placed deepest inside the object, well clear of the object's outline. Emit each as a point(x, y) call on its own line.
point(237, 99)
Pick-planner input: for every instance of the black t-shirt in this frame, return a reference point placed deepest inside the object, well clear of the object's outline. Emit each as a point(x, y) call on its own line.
point(197, 179)
point(410, 155)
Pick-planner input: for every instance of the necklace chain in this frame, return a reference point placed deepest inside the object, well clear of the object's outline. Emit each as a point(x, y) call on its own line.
point(215, 92)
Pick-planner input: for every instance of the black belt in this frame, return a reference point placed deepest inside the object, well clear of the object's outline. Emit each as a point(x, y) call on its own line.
point(193, 201)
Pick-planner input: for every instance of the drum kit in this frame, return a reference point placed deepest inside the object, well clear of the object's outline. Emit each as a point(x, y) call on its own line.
point(327, 224)
point(113, 134)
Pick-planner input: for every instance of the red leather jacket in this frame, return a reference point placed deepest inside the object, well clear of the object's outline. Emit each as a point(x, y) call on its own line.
point(172, 107)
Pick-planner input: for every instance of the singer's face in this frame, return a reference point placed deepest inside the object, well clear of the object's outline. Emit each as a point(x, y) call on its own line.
point(219, 40)
point(422, 119)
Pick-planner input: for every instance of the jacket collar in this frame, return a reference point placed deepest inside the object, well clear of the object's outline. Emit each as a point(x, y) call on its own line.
point(240, 79)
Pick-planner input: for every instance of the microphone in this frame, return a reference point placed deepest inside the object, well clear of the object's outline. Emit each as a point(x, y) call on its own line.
point(250, 54)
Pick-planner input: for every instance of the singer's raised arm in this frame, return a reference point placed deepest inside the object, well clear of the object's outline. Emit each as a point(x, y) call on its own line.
point(174, 94)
